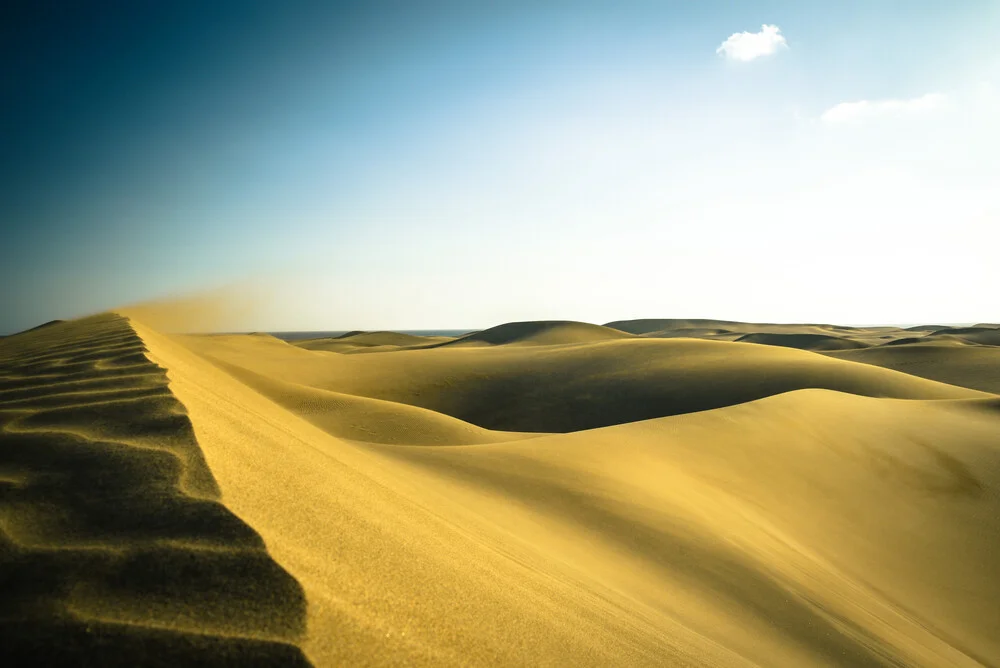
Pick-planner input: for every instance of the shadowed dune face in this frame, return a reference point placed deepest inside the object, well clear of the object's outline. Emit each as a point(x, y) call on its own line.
point(984, 336)
point(544, 332)
point(366, 342)
point(571, 387)
point(114, 547)
point(973, 366)
point(803, 341)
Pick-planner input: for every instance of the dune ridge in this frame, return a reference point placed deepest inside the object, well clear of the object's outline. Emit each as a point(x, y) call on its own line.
point(114, 547)
point(173, 499)
point(811, 527)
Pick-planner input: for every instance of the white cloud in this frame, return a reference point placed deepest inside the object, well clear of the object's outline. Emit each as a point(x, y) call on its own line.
point(849, 112)
point(744, 46)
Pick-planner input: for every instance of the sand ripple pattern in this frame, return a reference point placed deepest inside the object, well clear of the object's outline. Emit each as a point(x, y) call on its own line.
point(114, 546)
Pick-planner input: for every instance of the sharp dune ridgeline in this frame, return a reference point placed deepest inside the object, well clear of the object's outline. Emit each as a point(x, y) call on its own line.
point(643, 493)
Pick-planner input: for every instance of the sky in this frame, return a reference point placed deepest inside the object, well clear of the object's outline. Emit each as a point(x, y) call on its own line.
point(422, 165)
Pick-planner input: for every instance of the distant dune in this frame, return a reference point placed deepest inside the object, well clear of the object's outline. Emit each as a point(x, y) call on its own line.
point(986, 336)
point(354, 342)
point(975, 367)
point(924, 328)
point(239, 500)
point(667, 324)
point(803, 341)
point(549, 332)
point(572, 387)
point(37, 327)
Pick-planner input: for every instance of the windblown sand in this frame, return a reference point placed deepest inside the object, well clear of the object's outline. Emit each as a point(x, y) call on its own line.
point(647, 493)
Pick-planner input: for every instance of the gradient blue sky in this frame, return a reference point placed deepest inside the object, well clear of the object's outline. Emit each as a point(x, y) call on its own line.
point(460, 164)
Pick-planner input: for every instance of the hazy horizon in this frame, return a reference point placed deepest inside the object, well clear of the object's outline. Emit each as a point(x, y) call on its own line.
point(407, 166)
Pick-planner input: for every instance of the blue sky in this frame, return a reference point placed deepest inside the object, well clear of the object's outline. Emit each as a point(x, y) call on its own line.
point(430, 164)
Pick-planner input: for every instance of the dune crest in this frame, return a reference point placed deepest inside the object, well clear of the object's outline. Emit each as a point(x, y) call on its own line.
point(113, 543)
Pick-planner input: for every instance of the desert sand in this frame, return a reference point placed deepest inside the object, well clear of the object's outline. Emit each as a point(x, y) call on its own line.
point(641, 493)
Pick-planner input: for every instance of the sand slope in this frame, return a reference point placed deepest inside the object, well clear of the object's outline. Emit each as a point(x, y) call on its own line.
point(364, 342)
point(114, 548)
point(262, 502)
point(571, 387)
point(540, 332)
point(972, 366)
point(803, 341)
point(809, 528)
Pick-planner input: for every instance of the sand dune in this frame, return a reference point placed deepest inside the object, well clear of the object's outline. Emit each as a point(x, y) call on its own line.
point(806, 337)
point(571, 387)
point(645, 326)
point(803, 341)
point(363, 342)
point(366, 419)
point(975, 367)
point(114, 545)
point(547, 332)
point(265, 502)
point(650, 326)
point(985, 336)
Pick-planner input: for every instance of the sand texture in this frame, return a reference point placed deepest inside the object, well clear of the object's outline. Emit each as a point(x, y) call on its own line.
point(644, 493)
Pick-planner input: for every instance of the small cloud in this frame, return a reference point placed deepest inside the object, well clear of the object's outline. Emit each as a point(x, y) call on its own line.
point(850, 112)
point(744, 46)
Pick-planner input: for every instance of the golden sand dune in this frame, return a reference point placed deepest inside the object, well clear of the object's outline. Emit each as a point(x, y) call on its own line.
point(292, 505)
point(363, 342)
point(985, 336)
point(804, 341)
point(806, 337)
point(570, 387)
point(543, 332)
point(366, 419)
point(972, 366)
point(661, 326)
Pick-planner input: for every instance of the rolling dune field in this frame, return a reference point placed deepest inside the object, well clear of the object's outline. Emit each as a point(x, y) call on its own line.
point(642, 493)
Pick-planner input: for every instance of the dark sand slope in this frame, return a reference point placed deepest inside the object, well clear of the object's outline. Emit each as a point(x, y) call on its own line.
point(803, 341)
point(984, 336)
point(540, 332)
point(973, 366)
point(369, 420)
point(366, 342)
point(114, 547)
point(573, 387)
